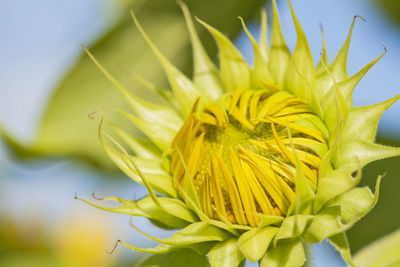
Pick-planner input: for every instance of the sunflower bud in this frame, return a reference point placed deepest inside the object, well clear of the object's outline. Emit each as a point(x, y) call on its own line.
point(241, 157)
point(251, 162)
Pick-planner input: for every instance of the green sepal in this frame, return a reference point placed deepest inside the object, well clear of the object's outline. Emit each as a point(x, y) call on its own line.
point(167, 96)
point(331, 185)
point(358, 137)
point(234, 71)
point(171, 206)
point(142, 148)
point(320, 68)
point(287, 253)
point(152, 169)
point(182, 257)
point(145, 207)
point(254, 243)
point(347, 86)
point(225, 254)
point(292, 227)
point(199, 236)
point(205, 74)
point(162, 225)
point(358, 153)
point(160, 136)
point(267, 220)
point(339, 65)
point(164, 116)
point(330, 76)
point(300, 76)
point(341, 244)
point(200, 248)
point(154, 175)
point(279, 54)
point(334, 109)
point(260, 71)
point(326, 165)
point(132, 167)
point(196, 233)
point(325, 224)
point(357, 202)
point(161, 249)
point(264, 47)
point(382, 253)
point(184, 90)
point(362, 122)
point(304, 194)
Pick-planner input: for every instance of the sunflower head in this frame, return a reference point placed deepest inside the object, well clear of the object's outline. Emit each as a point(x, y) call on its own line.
point(240, 157)
point(251, 162)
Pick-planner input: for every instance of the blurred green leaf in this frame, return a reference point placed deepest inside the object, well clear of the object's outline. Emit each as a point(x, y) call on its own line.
point(391, 8)
point(384, 218)
point(183, 257)
point(65, 129)
point(384, 252)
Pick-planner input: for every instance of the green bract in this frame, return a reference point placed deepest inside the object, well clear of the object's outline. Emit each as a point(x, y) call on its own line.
point(251, 162)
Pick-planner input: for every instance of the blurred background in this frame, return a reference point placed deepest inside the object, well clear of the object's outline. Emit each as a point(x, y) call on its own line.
point(50, 150)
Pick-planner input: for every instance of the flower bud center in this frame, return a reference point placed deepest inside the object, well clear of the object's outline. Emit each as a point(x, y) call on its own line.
point(240, 159)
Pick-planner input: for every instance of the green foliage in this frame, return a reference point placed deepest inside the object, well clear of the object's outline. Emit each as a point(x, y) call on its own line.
point(391, 8)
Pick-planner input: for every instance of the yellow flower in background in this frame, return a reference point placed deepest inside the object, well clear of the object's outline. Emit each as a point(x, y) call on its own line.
point(251, 162)
point(81, 240)
point(72, 240)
